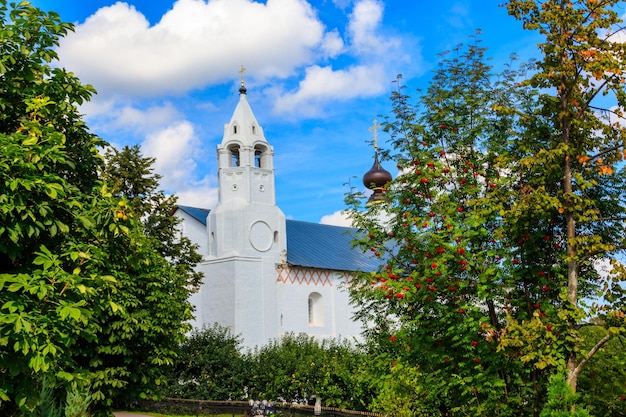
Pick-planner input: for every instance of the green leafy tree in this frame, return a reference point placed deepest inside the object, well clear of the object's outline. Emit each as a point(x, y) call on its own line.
point(47, 289)
point(86, 296)
point(577, 153)
point(210, 367)
point(131, 176)
point(510, 195)
point(28, 37)
point(562, 400)
point(296, 367)
point(602, 382)
point(437, 302)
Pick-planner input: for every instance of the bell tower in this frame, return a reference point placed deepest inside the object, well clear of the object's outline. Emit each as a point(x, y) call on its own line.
point(246, 221)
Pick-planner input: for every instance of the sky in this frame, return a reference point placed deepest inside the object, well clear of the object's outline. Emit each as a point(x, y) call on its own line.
point(317, 75)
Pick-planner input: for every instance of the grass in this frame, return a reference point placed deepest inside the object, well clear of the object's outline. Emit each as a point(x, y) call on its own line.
point(177, 415)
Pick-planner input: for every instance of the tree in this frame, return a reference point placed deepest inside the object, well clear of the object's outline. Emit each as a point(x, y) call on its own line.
point(510, 195)
point(87, 297)
point(601, 383)
point(28, 38)
point(210, 367)
point(296, 367)
point(129, 175)
point(562, 400)
point(581, 150)
point(437, 301)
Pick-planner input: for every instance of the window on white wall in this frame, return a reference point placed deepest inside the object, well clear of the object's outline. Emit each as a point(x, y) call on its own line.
point(234, 155)
point(316, 311)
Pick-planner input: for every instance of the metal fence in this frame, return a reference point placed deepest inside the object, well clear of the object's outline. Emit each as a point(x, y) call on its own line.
point(242, 408)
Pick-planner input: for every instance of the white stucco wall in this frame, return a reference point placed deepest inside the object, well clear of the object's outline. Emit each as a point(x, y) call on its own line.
point(293, 308)
point(194, 231)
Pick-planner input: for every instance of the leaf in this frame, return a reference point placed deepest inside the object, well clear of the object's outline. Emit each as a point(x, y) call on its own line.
point(30, 141)
point(87, 222)
point(115, 307)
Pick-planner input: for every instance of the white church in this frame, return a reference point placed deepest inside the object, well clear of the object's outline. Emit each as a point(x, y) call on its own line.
point(265, 276)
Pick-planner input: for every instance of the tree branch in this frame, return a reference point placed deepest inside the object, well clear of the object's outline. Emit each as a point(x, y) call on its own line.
point(590, 354)
point(604, 152)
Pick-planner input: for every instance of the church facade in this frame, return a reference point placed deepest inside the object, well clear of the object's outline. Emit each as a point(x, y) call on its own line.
point(265, 276)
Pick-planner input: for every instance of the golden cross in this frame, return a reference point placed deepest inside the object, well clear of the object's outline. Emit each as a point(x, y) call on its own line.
point(374, 129)
point(242, 71)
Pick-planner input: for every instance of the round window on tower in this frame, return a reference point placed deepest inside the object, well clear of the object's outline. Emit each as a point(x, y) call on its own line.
point(261, 236)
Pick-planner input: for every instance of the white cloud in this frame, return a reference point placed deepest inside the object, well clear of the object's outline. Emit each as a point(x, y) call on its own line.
point(195, 43)
point(378, 57)
point(323, 83)
point(202, 42)
point(174, 148)
point(147, 120)
point(338, 218)
point(115, 119)
point(199, 194)
point(364, 21)
point(176, 151)
point(332, 44)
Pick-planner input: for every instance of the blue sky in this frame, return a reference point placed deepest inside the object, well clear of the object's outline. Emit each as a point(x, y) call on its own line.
point(318, 74)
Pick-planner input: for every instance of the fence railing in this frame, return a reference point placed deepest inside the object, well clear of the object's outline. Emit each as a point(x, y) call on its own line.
point(242, 408)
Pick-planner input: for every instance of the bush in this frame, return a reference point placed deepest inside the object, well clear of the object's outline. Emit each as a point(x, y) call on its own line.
point(210, 366)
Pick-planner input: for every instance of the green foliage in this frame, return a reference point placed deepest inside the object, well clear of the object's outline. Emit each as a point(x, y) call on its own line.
point(571, 156)
point(28, 38)
point(562, 400)
point(210, 367)
point(440, 298)
point(77, 401)
point(511, 192)
point(291, 368)
point(602, 384)
point(86, 295)
point(48, 405)
point(44, 293)
point(131, 176)
point(296, 367)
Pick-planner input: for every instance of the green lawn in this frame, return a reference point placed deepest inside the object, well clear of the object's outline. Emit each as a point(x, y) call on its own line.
point(177, 415)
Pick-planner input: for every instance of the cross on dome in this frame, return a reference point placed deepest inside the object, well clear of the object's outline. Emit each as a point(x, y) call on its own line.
point(377, 177)
point(374, 129)
point(242, 71)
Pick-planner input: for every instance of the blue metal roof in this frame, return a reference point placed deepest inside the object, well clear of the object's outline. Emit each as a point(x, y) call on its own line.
point(199, 214)
point(315, 245)
point(323, 246)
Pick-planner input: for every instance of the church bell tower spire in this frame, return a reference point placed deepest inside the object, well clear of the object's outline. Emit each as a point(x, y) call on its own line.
point(247, 196)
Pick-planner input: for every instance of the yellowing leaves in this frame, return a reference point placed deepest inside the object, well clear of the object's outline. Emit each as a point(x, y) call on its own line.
point(605, 170)
point(583, 159)
point(588, 54)
point(602, 169)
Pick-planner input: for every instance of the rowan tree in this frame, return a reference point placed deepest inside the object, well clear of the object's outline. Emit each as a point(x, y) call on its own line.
point(509, 196)
point(437, 302)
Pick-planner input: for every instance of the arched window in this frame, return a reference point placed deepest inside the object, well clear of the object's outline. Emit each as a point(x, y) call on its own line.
point(234, 155)
point(235, 129)
point(316, 311)
point(260, 156)
point(253, 129)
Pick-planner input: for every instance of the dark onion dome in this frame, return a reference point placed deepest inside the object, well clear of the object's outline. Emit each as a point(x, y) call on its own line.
point(375, 179)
